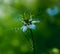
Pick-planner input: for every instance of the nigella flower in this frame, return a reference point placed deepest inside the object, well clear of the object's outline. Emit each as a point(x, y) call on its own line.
point(29, 24)
point(52, 12)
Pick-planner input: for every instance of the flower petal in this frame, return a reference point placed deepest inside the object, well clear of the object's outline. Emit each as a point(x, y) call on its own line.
point(35, 21)
point(33, 27)
point(24, 28)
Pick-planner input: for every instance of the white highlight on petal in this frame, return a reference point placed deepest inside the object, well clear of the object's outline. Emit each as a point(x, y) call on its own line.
point(24, 28)
point(35, 21)
point(32, 26)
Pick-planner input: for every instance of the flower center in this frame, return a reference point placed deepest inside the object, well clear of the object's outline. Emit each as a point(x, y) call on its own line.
point(28, 22)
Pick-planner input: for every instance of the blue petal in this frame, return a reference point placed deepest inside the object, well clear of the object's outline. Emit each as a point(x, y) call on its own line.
point(24, 28)
point(33, 27)
point(36, 21)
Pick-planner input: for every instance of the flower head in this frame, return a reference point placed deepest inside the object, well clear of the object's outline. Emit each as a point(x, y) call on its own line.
point(29, 24)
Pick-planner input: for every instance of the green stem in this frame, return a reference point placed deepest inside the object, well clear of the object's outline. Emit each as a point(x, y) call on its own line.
point(33, 42)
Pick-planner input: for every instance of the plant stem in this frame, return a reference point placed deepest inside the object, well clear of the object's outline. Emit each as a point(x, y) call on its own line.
point(33, 42)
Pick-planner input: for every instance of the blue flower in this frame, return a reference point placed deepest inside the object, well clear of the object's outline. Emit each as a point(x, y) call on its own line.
point(29, 25)
point(52, 12)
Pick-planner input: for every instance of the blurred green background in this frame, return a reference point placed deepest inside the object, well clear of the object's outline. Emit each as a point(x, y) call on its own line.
point(47, 34)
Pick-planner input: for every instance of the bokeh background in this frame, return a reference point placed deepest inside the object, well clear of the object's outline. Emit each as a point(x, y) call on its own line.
point(46, 35)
